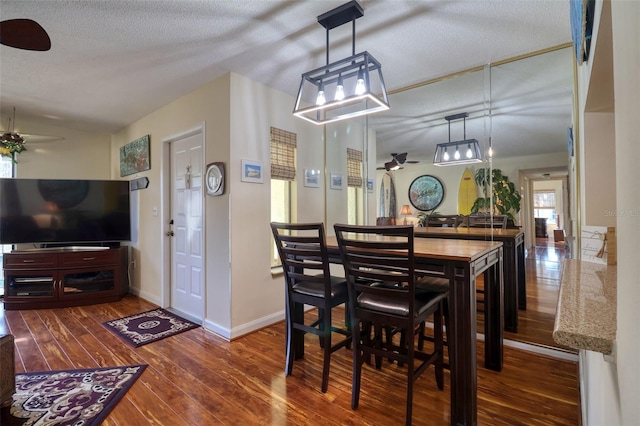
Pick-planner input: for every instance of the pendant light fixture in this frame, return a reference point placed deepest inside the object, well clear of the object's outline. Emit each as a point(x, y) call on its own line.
point(472, 151)
point(347, 88)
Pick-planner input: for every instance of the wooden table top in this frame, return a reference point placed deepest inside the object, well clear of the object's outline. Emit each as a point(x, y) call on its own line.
point(465, 232)
point(441, 248)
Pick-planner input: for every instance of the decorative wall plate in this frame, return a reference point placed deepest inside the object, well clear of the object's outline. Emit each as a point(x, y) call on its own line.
point(426, 192)
point(215, 178)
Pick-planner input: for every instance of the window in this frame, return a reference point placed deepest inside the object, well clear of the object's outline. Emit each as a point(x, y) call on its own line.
point(283, 173)
point(544, 205)
point(6, 171)
point(355, 199)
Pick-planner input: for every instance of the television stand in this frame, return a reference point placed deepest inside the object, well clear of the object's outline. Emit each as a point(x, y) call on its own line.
point(59, 277)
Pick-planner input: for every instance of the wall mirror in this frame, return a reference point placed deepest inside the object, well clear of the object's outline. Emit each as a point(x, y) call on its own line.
point(521, 107)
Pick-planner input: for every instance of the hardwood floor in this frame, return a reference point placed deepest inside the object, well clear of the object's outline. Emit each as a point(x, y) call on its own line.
point(543, 267)
point(197, 378)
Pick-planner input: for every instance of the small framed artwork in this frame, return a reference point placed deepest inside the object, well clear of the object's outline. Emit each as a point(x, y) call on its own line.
point(369, 185)
point(134, 156)
point(312, 178)
point(337, 181)
point(252, 171)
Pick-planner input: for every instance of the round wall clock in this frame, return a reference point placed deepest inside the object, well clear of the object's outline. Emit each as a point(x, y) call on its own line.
point(215, 178)
point(426, 192)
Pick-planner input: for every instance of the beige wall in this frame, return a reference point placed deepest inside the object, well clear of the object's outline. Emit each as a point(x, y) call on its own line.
point(75, 155)
point(257, 296)
point(208, 107)
point(599, 163)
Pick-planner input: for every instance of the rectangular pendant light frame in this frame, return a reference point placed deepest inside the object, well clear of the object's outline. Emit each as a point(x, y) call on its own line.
point(352, 105)
point(463, 145)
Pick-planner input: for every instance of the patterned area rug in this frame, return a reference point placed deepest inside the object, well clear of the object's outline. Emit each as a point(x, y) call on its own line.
point(69, 397)
point(149, 326)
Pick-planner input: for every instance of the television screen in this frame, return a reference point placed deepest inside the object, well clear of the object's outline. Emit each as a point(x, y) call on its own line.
point(64, 211)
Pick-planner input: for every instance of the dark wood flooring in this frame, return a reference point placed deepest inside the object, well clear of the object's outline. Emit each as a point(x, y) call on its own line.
point(197, 378)
point(543, 266)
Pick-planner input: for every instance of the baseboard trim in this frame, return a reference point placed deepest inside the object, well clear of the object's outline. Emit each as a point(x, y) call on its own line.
point(246, 328)
point(542, 350)
point(144, 295)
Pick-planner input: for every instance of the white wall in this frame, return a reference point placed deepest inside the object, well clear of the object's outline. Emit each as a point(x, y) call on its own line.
point(610, 395)
point(626, 62)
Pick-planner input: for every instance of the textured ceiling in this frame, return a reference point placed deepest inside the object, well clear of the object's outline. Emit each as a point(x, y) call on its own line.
point(113, 62)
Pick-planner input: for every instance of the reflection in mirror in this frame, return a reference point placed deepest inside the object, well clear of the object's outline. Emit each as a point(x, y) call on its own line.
point(347, 145)
point(523, 107)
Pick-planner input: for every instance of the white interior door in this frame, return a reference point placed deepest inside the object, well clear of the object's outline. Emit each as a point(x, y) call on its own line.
point(187, 242)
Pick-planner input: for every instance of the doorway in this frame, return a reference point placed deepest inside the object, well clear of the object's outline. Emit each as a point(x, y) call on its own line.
point(183, 215)
point(549, 210)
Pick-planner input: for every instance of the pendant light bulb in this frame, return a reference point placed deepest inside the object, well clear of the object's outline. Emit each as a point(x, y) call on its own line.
point(360, 86)
point(490, 152)
point(321, 100)
point(469, 152)
point(457, 154)
point(445, 156)
point(339, 89)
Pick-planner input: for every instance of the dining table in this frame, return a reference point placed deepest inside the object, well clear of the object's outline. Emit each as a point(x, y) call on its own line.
point(461, 262)
point(513, 265)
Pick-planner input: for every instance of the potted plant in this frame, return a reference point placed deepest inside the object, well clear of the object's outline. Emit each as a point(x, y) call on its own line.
point(506, 198)
point(423, 217)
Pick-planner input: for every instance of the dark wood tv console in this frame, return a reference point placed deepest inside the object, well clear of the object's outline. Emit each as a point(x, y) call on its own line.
point(65, 276)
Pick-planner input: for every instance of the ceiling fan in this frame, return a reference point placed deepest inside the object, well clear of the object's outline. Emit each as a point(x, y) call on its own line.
point(24, 34)
point(396, 161)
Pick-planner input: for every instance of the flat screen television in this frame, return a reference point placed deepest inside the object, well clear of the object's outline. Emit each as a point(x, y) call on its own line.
point(53, 212)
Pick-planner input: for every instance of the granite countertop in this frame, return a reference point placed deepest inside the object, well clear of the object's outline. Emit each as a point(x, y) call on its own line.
point(586, 313)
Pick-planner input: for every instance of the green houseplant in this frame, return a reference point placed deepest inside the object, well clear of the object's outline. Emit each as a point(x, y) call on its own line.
point(423, 217)
point(506, 198)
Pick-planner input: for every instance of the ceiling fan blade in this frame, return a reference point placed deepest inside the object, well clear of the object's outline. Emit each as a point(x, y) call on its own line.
point(400, 158)
point(412, 162)
point(24, 34)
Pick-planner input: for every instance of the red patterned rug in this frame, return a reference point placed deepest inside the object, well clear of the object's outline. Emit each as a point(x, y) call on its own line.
point(150, 326)
point(68, 397)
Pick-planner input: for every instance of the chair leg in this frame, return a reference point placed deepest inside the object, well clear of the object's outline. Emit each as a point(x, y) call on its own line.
point(357, 366)
point(347, 321)
point(421, 336)
point(321, 325)
point(438, 345)
point(410, 379)
point(326, 338)
point(378, 343)
point(289, 341)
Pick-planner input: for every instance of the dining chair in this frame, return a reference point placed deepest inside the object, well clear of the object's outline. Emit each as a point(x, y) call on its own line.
point(303, 253)
point(385, 221)
point(380, 269)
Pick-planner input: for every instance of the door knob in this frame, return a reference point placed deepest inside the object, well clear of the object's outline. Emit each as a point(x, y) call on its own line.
point(169, 233)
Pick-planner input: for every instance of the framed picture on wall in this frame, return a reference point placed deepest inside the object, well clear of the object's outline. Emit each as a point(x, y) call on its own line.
point(134, 156)
point(312, 178)
point(337, 181)
point(252, 171)
point(369, 185)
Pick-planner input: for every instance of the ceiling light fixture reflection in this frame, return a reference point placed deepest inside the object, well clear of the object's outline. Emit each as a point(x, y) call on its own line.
point(472, 155)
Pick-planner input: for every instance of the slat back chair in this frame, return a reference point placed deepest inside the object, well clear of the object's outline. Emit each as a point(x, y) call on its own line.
point(380, 275)
point(303, 253)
